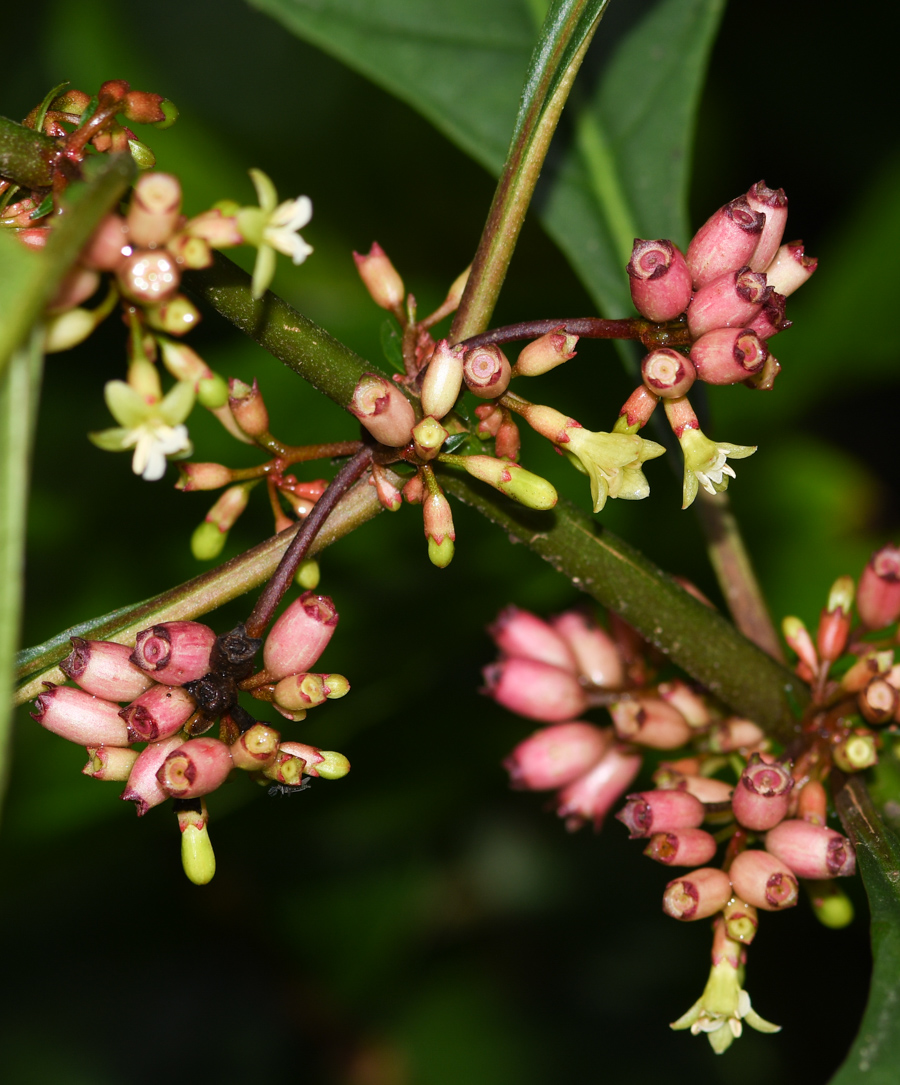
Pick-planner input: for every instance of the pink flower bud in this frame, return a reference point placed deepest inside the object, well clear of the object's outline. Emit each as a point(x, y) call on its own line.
point(790, 269)
point(202, 476)
point(520, 633)
point(878, 701)
point(735, 734)
point(380, 278)
point(383, 409)
point(143, 107)
point(160, 712)
point(80, 717)
point(148, 276)
point(486, 371)
point(865, 668)
point(649, 812)
point(597, 657)
point(668, 373)
point(300, 635)
point(640, 405)
point(686, 847)
point(659, 279)
point(762, 795)
point(328, 764)
point(697, 895)
point(812, 803)
point(770, 319)
point(649, 721)
point(764, 881)
point(546, 353)
point(143, 787)
point(730, 301)
point(728, 355)
point(438, 524)
point(707, 789)
point(442, 382)
point(592, 796)
point(300, 691)
point(414, 490)
point(536, 690)
point(508, 443)
point(256, 748)
point(835, 620)
point(797, 636)
point(154, 209)
point(490, 419)
point(108, 245)
point(725, 241)
point(878, 594)
point(557, 755)
point(773, 204)
point(811, 851)
point(689, 703)
point(109, 762)
point(76, 287)
point(194, 769)
point(247, 407)
point(105, 670)
point(389, 496)
point(174, 652)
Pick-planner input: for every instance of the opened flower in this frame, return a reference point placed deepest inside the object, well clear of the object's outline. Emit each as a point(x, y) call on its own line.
point(612, 461)
point(155, 430)
point(273, 227)
point(704, 463)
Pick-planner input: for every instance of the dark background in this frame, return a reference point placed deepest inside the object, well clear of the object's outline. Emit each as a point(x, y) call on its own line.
point(417, 922)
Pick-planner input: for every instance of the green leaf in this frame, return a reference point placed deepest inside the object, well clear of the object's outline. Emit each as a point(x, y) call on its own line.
point(461, 63)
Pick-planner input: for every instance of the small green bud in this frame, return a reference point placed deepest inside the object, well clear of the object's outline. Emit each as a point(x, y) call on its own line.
point(440, 554)
point(841, 594)
point(212, 392)
point(170, 111)
point(197, 855)
point(307, 575)
point(141, 153)
point(207, 542)
point(832, 907)
point(334, 766)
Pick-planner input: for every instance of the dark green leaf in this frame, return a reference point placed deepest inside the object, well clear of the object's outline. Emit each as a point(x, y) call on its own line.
point(390, 344)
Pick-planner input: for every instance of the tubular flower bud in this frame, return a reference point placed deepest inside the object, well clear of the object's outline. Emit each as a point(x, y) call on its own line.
point(174, 652)
point(389, 496)
point(596, 656)
point(428, 436)
point(380, 278)
point(865, 668)
point(148, 276)
point(698, 895)
point(659, 279)
point(490, 419)
point(649, 721)
point(762, 795)
point(879, 701)
point(690, 704)
point(300, 635)
point(773, 204)
point(225, 512)
point(703, 788)
point(731, 301)
point(108, 245)
point(770, 320)
point(790, 269)
point(197, 856)
point(328, 764)
point(217, 227)
point(383, 409)
point(508, 443)
point(105, 670)
point(704, 460)
point(520, 633)
point(80, 717)
point(546, 353)
point(509, 478)
point(535, 690)
point(247, 407)
point(438, 523)
point(109, 762)
point(797, 636)
point(255, 748)
point(154, 209)
point(174, 317)
point(763, 880)
point(486, 371)
point(728, 355)
point(286, 768)
point(856, 752)
point(300, 691)
point(812, 803)
point(686, 847)
point(202, 476)
point(741, 921)
point(592, 796)
point(878, 593)
point(143, 788)
point(442, 382)
point(668, 373)
point(649, 812)
point(831, 905)
point(160, 712)
point(557, 755)
point(637, 409)
point(735, 734)
point(811, 851)
point(834, 623)
point(725, 241)
point(195, 768)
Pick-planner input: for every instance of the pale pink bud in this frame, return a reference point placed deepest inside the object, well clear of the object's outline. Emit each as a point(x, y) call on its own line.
point(508, 443)
point(878, 701)
point(797, 636)
point(154, 209)
point(108, 245)
point(597, 658)
point(668, 373)
point(255, 748)
point(148, 276)
point(217, 228)
point(544, 354)
point(762, 795)
point(105, 670)
point(437, 518)
point(865, 668)
point(174, 652)
point(80, 717)
point(728, 355)
point(659, 279)
point(878, 594)
point(640, 405)
point(414, 490)
point(76, 287)
point(835, 620)
point(536, 690)
point(697, 895)
point(764, 881)
point(725, 241)
point(329, 764)
point(143, 787)
point(812, 803)
point(735, 734)
point(383, 409)
point(247, 407)
point(649, 812)
point(194, 769)
point(686, 847)
point(109, 762)
point(790, 269)
point(770, 319)
point(689, 703)
point(706, 789)
point(428, 436)
point(592, 796)
point(649, 721)
point(811, 851)
point(518, 632)
point(773, 204)
point(556, 755)
point(300, 691)
point(730, 301)
point(486, 371)
point(300, 635)
point(143, 107)
point(442, 382)
point(202, 476)
point(490, 419)
point(160, 712)
point(380, 278)
point(389, 496)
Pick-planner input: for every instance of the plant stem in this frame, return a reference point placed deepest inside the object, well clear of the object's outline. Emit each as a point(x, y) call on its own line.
point(653, 336)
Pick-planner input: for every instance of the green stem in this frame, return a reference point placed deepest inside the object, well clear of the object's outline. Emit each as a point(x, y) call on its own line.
point(26, 156)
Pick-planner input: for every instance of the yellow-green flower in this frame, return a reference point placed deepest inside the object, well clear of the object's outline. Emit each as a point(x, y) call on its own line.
point(612, 461)
point(273, 227)
point(704, 463)
point(154, 430)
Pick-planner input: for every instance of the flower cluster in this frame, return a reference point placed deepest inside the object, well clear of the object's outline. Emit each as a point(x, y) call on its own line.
point(166, 692)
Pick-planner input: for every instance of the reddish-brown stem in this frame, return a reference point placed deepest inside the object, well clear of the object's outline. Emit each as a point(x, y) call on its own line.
point(672, 334)
point(288, 455)
point(262, 613)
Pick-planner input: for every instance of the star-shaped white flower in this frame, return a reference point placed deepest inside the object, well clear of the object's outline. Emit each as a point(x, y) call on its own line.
point(273, 227)
point(704, 463)
point(155, 430)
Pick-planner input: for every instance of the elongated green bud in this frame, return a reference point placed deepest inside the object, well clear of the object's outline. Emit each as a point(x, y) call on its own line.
point(509, 478)
point(197, 855)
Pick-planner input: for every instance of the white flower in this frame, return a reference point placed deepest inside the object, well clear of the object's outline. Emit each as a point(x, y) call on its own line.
point(704, 463)
point(154, 430)
point(273, 226)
